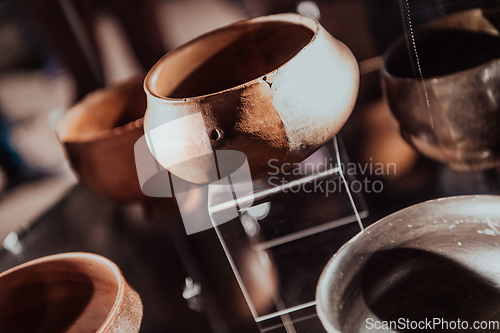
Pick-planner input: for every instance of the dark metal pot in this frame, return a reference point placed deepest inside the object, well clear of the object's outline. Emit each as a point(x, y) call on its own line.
point(443, 87)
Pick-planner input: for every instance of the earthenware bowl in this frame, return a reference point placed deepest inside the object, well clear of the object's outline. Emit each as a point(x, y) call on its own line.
point(99, 134)
point(445, 96)
point(69, 292)
point(275, 88)
point(437, 259)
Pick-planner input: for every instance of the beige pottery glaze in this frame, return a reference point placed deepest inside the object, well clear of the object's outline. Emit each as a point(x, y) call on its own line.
point(69, 292)
point(275, 87)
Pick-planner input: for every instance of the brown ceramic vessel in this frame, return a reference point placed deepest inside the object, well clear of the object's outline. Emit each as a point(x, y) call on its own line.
point(275, 87)
point(69, 292)
point(99, 134)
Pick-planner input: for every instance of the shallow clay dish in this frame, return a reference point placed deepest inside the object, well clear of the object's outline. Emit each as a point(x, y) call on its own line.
point(274, 87)
point(438, 259)
point(99, 134)
point(69, 292)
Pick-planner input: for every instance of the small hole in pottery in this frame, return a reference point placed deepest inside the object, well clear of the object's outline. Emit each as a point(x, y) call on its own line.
point(215, 134)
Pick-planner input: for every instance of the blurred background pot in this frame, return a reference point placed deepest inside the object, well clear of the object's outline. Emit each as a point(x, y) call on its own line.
point(443, 89)
point(69, 292)
point(275, 87)
point(99, 134)
point(437, 259)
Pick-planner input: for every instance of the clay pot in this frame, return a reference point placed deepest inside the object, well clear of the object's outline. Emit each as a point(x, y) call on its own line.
point(99, 134)
point(69, 292)
point(275, 87)
point(448, 103)
point(437, 259)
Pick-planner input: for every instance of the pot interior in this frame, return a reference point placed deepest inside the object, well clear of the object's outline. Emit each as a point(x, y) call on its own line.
point(442, 52)
point(228, 58)
point(57, 296)
point(417, 285)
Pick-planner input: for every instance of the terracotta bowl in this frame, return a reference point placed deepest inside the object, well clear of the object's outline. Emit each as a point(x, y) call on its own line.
point(99, 134)
point(275, 87)
point(70, 292)
point(438, 259)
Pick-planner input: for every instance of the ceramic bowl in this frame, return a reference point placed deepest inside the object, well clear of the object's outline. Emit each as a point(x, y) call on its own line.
point(437, 259)
point(69, 292)
point(275, 88)
point(447, 100)
point(99, 134)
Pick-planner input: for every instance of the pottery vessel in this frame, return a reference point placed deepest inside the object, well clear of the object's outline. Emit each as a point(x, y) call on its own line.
point(437, 259)
point(275, 87)
point(447, 100)
point(69, 292)
point(99, 134)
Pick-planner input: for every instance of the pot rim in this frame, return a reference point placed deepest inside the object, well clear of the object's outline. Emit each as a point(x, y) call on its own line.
point(305, 21)
point(105, 134)
point(116, 273)
point(437, 78)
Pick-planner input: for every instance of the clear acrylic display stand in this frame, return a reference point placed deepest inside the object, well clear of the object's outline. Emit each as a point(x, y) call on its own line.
point(278, 248)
